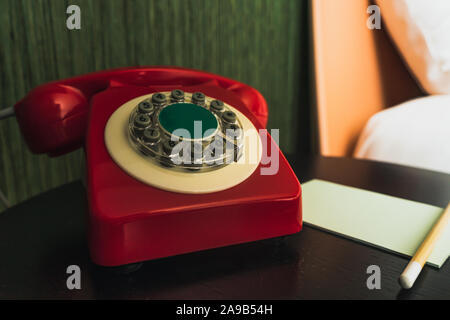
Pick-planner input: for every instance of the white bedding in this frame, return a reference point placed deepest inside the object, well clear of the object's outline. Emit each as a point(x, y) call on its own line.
point(415, 133)
point(421, 31)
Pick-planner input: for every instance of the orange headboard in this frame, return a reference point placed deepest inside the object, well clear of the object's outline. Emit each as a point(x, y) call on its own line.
point(357, 73)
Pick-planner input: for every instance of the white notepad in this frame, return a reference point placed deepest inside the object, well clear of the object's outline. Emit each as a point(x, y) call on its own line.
point(383, 221)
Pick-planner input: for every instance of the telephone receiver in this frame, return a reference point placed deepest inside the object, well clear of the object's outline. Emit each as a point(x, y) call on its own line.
point(53, 117)
point(147, 199)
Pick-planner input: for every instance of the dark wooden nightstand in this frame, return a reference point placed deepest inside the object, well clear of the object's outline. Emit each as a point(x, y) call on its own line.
point(40, 238)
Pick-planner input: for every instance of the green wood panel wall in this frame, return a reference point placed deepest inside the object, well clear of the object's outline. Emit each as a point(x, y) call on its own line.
point(258, 42)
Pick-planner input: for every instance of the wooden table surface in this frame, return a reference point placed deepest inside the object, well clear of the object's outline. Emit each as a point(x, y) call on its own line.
point(41, 237)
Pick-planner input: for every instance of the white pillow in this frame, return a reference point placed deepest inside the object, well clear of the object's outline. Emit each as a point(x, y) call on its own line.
point(421, 31)
point(415, 133)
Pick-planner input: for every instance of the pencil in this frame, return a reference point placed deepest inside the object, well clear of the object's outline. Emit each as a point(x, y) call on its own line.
point(417, 262)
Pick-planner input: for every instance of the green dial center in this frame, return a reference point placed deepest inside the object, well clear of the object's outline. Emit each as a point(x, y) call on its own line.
point(187, 116)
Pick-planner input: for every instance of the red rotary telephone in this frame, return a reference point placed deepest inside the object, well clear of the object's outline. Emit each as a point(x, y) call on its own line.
point(142, 206)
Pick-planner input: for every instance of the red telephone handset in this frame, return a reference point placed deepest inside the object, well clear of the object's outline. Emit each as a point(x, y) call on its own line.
point(53, 116)
point(142, 203)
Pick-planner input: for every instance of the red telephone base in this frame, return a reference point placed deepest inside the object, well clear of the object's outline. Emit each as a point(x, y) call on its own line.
point(130, 221)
